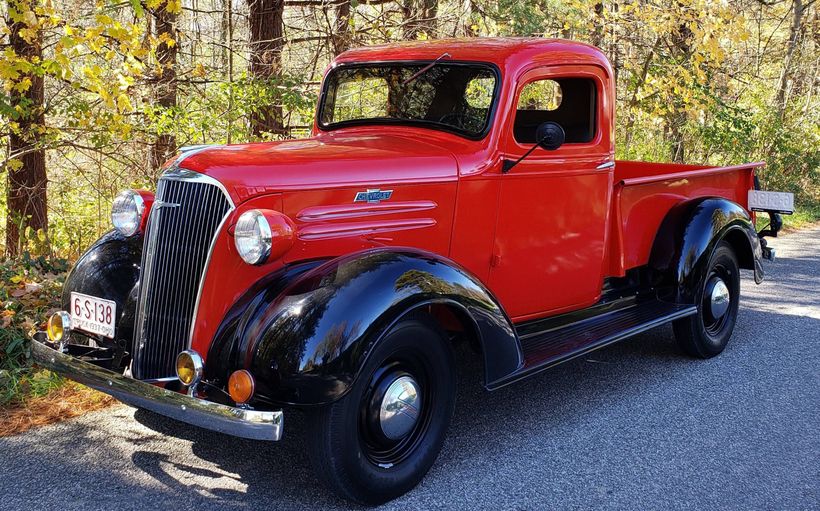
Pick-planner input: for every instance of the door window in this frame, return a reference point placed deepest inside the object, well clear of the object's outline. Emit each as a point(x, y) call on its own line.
point(571, 102)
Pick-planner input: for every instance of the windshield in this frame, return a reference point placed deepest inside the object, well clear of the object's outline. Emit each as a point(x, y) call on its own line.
point(451, 96)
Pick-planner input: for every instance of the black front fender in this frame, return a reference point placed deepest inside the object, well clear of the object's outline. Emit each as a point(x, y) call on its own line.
point(109, 269)
point(689, 234)
point(306, 341)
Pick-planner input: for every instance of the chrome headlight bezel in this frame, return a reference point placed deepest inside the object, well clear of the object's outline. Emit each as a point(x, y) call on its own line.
point(253, 237)
point(196, 367)
point(127, 211)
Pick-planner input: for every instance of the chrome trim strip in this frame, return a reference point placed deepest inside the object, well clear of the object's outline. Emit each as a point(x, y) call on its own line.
point(605, 165)
point(239, 422)
point(175, 173)
point(194, 148)
point(146, 264)
point(160, 380)
point(372, 228)
point(355, 211)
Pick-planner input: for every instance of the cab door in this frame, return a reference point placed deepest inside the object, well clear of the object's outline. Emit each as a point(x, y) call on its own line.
point(553, 206)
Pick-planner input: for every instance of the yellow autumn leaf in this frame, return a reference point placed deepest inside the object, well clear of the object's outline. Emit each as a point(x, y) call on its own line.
point(30, 18)
point(124, 104)
point(102, 19)
point(14, 164)
point(173, 6)
point(23, 85)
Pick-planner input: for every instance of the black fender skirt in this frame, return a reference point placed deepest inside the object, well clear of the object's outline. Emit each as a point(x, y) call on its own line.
point(110, 269)
point(306, 331)
point(689, 234)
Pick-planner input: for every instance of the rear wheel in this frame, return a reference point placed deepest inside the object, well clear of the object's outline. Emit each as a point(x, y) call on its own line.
point(379, 441)
point(706, 333)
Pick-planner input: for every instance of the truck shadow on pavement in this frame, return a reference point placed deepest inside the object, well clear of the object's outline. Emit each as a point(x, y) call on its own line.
point(281, 472)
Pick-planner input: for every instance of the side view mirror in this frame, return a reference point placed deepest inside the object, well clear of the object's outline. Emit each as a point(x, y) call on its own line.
point(550, 135)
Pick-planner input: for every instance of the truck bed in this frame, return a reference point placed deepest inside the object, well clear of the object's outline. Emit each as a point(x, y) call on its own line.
point(644, 192)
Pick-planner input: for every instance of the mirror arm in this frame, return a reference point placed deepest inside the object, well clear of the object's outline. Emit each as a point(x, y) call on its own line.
point(507, 165)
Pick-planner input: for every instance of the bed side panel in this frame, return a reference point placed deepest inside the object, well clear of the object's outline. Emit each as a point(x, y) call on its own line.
point(642, 204)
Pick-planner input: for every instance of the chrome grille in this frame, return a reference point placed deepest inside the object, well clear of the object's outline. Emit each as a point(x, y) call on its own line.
point(185, 220)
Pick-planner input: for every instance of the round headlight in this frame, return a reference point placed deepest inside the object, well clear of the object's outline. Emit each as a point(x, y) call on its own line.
point(252, 237)
point(126, 213)
point(189, 367)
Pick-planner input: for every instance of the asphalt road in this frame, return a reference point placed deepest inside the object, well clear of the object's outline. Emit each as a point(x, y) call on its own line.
point(633, 426)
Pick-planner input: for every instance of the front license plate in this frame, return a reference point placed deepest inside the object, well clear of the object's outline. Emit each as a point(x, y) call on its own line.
point(93, 315)
point(779, 202)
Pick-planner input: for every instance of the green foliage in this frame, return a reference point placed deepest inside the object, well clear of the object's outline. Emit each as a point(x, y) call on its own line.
point(29, 291)
point(219, 112)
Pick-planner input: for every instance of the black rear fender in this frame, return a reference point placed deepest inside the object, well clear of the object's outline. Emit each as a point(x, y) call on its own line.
point(689, 234)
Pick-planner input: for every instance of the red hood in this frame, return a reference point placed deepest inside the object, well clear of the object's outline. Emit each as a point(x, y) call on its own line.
point(329, 160)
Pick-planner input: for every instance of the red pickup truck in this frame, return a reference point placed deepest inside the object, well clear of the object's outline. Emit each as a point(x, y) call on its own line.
point(453, 191)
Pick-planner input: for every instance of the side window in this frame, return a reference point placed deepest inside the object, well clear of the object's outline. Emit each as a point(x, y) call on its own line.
point(571, 102)
point(544, 95)
point(360, 97)
point(479, 92)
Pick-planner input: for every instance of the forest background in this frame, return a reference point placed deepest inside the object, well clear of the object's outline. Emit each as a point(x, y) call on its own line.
point(97, 94)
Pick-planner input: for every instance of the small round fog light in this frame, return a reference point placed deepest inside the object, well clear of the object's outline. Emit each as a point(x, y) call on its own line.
point(59, 326)
point(189, 367)
point(241, 386)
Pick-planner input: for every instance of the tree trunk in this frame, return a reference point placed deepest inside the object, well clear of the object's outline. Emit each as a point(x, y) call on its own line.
point(420, 17)
point(266, 44)
point(676, 120)
point(615, 41)
point(26, 191)
point(794, 37)
point(598, 24)
point(223, 32)
point(468, 8)
point(166, 85)
point(341, 33)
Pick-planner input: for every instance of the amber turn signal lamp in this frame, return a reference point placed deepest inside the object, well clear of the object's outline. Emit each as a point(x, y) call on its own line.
point(241, 386)
point(59, 326)
point(189, 367)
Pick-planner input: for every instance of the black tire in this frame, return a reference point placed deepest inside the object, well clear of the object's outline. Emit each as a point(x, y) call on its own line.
point(702, 335)
point(349, 452)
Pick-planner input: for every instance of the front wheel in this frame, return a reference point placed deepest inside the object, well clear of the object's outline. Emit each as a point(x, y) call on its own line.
point(706, 333)
point(379, 441)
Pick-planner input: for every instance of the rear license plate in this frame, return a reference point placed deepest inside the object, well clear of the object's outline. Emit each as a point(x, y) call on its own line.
point(93, 315)
point(779, 202)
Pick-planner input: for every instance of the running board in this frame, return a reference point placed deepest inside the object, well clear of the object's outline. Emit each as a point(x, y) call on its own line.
point(547, 348)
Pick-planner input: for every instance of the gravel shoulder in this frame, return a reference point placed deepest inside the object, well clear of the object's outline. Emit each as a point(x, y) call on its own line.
point(633, 426)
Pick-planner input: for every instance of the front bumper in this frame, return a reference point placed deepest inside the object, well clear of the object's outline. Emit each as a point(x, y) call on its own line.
point(240, 422)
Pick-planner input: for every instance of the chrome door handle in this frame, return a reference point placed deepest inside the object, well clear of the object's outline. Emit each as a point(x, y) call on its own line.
point(605, 165)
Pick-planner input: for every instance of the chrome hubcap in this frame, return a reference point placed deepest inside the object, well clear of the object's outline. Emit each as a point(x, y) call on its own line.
point(719, 298)
point(400, 407)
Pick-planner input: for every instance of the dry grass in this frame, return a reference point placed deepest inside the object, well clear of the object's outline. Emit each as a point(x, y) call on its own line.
point(64, 402)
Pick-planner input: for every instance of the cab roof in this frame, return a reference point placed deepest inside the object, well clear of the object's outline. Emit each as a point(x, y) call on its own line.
point(508, 53)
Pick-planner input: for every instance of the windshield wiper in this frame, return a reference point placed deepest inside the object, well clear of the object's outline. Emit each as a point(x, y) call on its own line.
point(425, 69)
